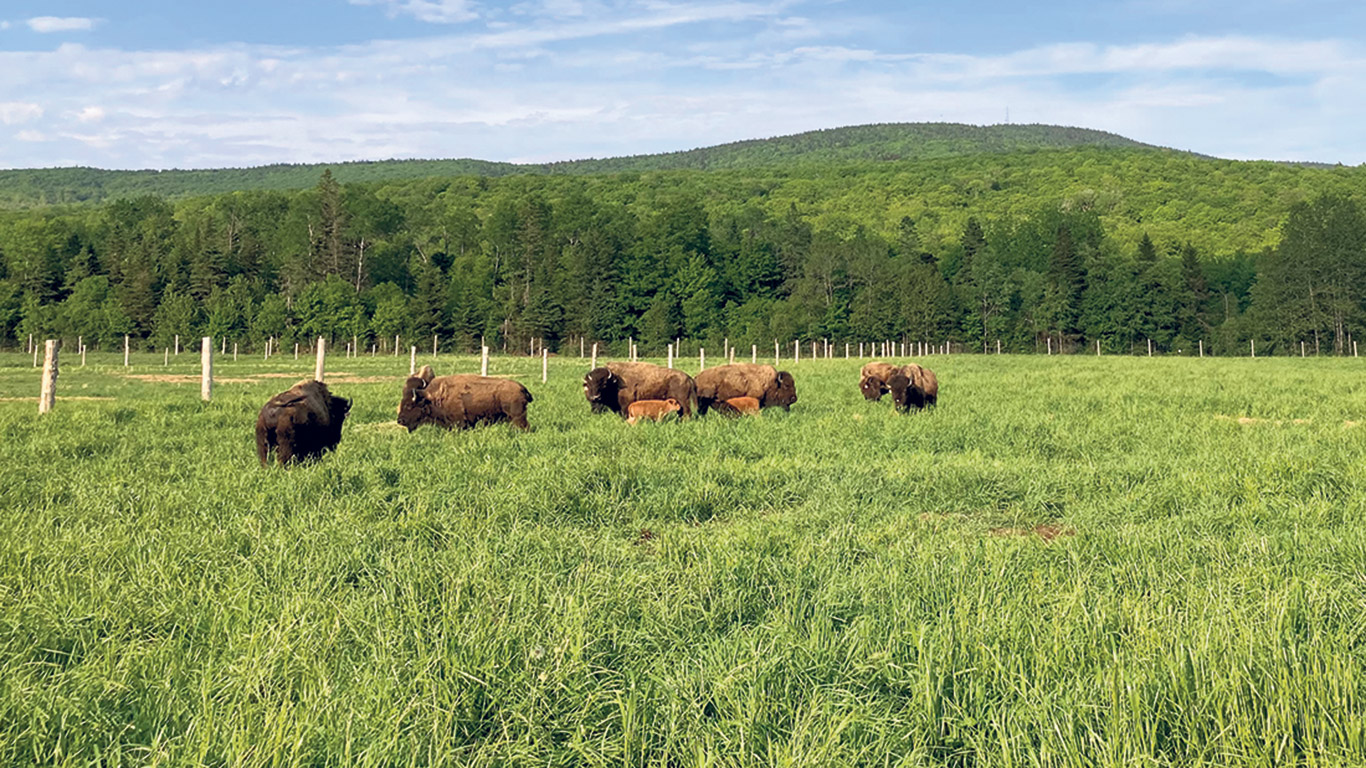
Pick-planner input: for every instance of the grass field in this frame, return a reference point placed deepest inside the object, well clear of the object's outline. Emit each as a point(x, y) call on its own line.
point(1072, 561)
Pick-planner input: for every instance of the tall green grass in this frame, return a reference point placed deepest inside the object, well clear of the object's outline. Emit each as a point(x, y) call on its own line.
point(838, 585)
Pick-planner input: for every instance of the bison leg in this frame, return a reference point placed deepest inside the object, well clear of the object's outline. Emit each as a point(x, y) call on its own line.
point(263, 444)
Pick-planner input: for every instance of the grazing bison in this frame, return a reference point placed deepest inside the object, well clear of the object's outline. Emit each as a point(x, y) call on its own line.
point(654, 410)
point(768, 385)
point(615, 386)
point(460, 402)
point(873, 379)
point(914, 386)
point(301, 423)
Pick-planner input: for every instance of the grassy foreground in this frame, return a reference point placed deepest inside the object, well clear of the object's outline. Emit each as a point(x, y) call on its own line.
point(836, 585)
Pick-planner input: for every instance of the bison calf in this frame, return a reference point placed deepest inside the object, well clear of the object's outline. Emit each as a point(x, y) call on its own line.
point(654, 410)
point(303, 422)
point(738, 406)
point(460, 402)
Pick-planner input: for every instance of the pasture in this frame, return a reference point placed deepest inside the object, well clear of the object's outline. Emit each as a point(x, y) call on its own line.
point(1071, 561)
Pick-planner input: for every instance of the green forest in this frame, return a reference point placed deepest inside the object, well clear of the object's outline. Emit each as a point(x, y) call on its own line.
point(1061, 241)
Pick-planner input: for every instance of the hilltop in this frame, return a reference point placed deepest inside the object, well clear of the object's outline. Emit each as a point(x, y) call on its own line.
point(882, 143)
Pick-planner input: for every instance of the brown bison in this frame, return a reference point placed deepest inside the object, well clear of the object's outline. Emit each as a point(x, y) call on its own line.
point(653, 410)
point(911, 386)
point(460, 402)
point(303, 422)
point(873, 378)
point(914, 387)
point(615, 386)
point(768, 385)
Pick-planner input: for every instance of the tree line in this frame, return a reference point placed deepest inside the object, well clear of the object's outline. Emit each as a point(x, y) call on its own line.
point(659, 257)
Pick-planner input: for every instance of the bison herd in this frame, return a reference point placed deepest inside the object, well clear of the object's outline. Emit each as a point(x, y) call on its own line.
point(305, 421)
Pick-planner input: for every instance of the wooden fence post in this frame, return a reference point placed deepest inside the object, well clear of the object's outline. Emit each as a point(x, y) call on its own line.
point(125, 350)
point(47, 395)
point(35, 356)
point(594, 363)
point(234, 352)
point(177, 345)
point(395, 345)
point(206, 368)
point(796, 352)
point(732, 355)
point(671, 355)
point(1202, 347)
point(1301, 353)
point(998, 346)
point(775, 352)
point(846, 350)
point(166, 356)
point(1097, 347)
point(82, 355)
point(484, 361)
point(224, 342)
point(580, 347)
point(1150, 347)
point(296, 350)
point(860, 350)
point(701, 359)
point(1050, 345)
point(1254, 347)
point(321, 361)
point(412, 361)
point(754, 353)
point(545, 364)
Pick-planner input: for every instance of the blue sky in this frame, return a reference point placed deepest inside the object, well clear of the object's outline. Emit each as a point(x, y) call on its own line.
point(162, 84)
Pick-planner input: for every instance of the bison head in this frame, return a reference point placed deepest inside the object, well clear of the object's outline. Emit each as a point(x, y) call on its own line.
point(906, 394)
point(414, 409)
point(601, 386)
point(872, 388)
point(785, 393)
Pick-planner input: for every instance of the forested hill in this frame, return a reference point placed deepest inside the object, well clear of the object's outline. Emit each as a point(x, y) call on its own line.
point(838, 146)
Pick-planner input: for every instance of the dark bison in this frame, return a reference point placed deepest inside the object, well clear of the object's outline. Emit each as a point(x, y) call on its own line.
point(914, 387)
point(768, 385)
point(911, 386)
point(615, 386)
point(459, 402)
point(303, 422)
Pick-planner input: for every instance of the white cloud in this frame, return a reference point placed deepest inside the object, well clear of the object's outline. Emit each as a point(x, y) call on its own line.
point(48, 24)
point(30, 136)
point(432, 11)
point(90, 114)
point(16, 112)
point(4, 25)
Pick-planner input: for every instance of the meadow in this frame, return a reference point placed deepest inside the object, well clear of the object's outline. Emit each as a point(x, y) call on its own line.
point(1072, 561)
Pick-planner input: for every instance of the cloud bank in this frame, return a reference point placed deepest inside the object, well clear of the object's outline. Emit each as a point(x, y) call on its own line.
point(561, 79)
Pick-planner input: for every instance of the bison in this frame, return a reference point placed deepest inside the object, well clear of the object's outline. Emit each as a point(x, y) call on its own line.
point(653, 410)
point(914, 386)
point(737, 406)
point(873, 378)
point(615, 386)
point(911, 386)
point(460, 402)
point(303, 422)
point(768, 385)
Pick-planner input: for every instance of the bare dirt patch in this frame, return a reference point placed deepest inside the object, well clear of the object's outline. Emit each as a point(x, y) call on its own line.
point(1249, 421)
point(59, 397)
point(1047, 532)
